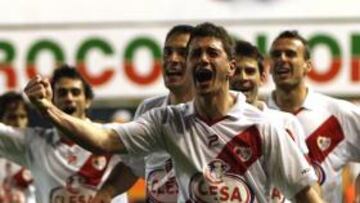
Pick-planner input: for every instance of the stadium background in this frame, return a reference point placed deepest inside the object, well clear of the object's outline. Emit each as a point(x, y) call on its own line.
point(117, 44)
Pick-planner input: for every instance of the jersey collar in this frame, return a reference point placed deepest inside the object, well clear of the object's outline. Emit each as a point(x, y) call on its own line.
point(310, 101)
point(234, 112)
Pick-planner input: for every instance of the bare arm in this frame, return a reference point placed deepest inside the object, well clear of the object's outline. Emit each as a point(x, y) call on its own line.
point(120, 180)
point(84, 133)
point(308, 195)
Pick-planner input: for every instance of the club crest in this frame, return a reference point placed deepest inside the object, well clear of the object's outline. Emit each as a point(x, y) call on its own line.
point(244, 153)
point(99, 162)
point(323, 142)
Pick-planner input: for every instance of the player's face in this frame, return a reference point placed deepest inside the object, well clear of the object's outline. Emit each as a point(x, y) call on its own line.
point(288, 64)
point(174, 62)
point(16, 115)
point(209, 64)
point(247, 78)
point(69, 96)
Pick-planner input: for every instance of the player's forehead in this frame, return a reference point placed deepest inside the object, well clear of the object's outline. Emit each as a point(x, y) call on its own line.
point(68, 83)
point(206, 42)
point(15, 106)
point(177, 40)
point(283, 44)
point(244, 61)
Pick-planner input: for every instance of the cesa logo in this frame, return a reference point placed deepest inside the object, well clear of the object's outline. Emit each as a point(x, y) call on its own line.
point(82, 53)
point(162, 186)
point(216, 184)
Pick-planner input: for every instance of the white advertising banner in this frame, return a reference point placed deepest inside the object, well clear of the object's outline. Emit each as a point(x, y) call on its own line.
point(122, 60)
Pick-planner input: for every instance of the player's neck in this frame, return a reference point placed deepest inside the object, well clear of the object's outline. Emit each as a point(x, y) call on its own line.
point(258, 104)
point(290, 100)
point(180, 96)
point(214, 106)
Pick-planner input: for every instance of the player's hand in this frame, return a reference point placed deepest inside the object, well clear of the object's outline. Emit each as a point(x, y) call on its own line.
point(39, 92)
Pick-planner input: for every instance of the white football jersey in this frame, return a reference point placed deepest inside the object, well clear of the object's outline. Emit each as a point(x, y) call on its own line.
point(15, 183)
point(332, 134)
point(234, 159)
point(159, 172)
point(295, 131)
point(62, 172)
point(290, 123)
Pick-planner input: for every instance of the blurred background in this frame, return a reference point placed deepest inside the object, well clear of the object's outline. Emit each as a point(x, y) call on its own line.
point(117, 44)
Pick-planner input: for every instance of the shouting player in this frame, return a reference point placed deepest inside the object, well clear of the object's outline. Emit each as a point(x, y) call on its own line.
point(222, 148)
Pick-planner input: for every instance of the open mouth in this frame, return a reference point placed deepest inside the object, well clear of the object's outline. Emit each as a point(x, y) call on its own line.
point(69, 109)
point(173, 73)
point(244, 89)
point(203, 75)
point(241, 85)
point(282, 71)
point(173, 70)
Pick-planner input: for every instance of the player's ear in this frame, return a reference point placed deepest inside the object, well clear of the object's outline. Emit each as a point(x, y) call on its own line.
point(88, 103)
point(263, 77)
point(231, 70)
point(308, 66)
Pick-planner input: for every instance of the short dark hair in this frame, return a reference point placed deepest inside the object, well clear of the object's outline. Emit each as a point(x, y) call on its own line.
point(9, 98)
point(210, 30)
point(246, 49)
point(294, 34)
point(179, 29)
point(66, 71)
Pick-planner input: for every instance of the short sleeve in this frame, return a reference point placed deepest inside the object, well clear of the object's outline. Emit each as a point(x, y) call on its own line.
point(143, 135)
point(140, 110)
point(286, 165)
point(349, 115)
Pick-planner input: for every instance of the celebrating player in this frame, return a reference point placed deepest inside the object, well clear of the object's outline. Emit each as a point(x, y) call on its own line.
point(16, 185)
point(331, 125)
point(62, 170)
point(223, 149)
point(159, 173)
point(248, 77)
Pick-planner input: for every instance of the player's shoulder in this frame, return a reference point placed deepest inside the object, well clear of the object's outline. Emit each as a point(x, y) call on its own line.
point(279, 115)
point(336, 105)
point(154, 101)
point(255, 115)
point(35, 134)
point(181, 109)
point(150, 103)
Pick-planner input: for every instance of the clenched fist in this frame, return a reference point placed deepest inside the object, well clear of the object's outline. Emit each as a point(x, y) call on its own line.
point(39, 92)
